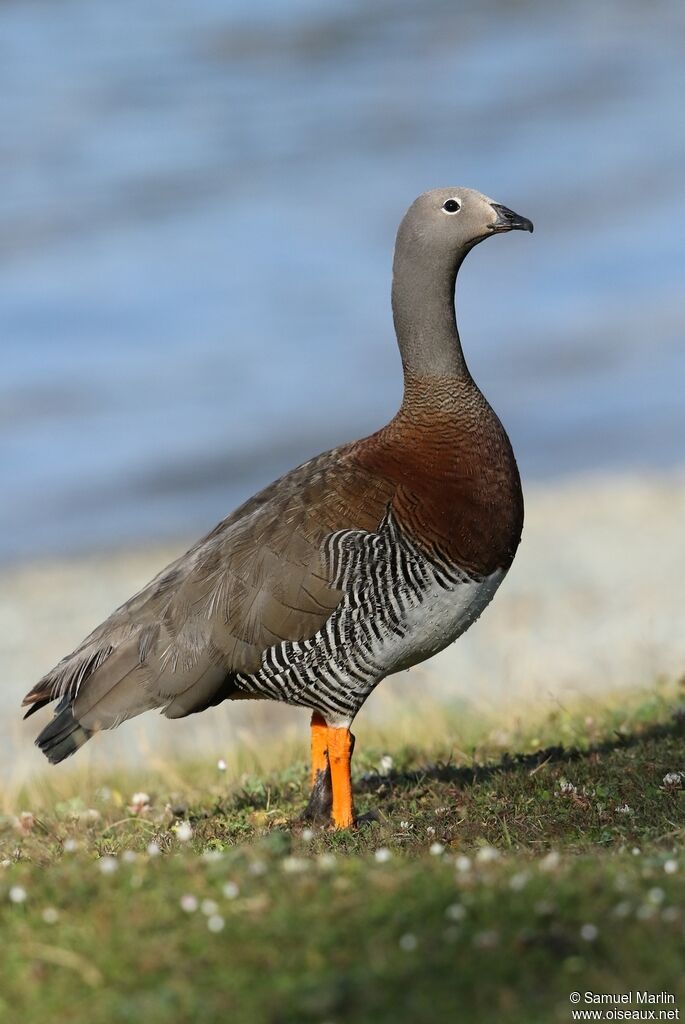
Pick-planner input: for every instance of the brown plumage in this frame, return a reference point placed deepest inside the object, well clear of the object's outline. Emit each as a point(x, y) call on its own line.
point(340, 572)
point(453, 470)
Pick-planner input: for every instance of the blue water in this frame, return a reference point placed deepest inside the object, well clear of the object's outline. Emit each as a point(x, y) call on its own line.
point(197, 211)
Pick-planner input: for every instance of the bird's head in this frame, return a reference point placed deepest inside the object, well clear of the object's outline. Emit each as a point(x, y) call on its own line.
point(451, 221)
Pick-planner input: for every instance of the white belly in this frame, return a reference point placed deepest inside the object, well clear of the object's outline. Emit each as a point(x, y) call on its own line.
point(437, 621)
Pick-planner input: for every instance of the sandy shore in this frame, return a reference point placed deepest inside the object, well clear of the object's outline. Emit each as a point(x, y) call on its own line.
point(594, 601)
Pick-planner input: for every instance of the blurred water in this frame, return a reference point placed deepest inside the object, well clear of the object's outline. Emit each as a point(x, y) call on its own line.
point(197, 211)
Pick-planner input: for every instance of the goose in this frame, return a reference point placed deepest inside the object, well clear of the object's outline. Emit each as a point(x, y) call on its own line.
point(360, 563)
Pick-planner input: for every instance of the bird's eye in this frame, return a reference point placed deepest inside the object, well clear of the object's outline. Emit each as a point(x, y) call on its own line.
point(451, 206)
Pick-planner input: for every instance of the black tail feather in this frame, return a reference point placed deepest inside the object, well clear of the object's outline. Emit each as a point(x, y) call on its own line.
point(63, 736)
point(37, 706)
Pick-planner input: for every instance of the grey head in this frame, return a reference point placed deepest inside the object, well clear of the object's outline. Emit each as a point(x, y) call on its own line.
point(436, 233)
point(451, 221)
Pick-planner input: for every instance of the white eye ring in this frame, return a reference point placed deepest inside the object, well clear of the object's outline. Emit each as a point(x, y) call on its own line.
point(451, 206)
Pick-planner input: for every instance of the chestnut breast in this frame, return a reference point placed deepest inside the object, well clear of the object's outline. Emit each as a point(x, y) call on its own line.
point(458, 490)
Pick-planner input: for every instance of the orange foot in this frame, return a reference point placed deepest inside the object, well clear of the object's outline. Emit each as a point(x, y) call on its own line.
point(331, 795)
point(320, 806)
point(340, 747)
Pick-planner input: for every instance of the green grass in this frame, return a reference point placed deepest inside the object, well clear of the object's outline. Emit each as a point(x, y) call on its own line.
point(542, 884)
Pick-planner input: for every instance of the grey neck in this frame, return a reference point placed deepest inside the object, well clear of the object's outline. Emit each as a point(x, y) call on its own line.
point(424, 314)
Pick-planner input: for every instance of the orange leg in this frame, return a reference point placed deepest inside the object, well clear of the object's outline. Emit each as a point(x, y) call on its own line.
point(321, 797)
point(319, 737)
point(340, 747)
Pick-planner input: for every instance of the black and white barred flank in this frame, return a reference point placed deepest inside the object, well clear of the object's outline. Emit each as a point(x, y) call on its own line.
point(385, 577)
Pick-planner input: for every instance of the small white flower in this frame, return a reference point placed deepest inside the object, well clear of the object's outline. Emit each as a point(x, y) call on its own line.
point(589, 932)
point(307, 835)
point(216, 923)
point(636, 851)
point(436, 849)
point(129, 856)
point(440, 811)
point(567, 788)
point(69, 845)
point(624, 809)
point(544, 908)
point(50, 915)
point(5, 863)
point(326, 861)
point(230, 890)
point(209, 907)
point(430, 830)
point(673, 780)
point(294, 865)
point(140, 803)
point(24, 823)
point(184, 831)
point(188, 903)
point(382, 855)
point(670, 866)
point(486, 940)
point(519, 881)
point(385, 765)
point(257, 867)
point(551, 861)
point(108, 865)
point(456, 912)
point(486, 854)
point(17, 894)
point(91, 816)
point(153, 849)
point(221, 765)
point(405, 825)
point(211, 856)
point(462, 864)
point(408, 943)
point(656, 895)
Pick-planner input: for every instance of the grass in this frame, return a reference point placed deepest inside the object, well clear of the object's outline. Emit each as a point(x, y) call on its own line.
point(494, 883)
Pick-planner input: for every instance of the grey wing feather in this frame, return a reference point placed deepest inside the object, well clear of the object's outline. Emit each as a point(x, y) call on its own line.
point(257, 579)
